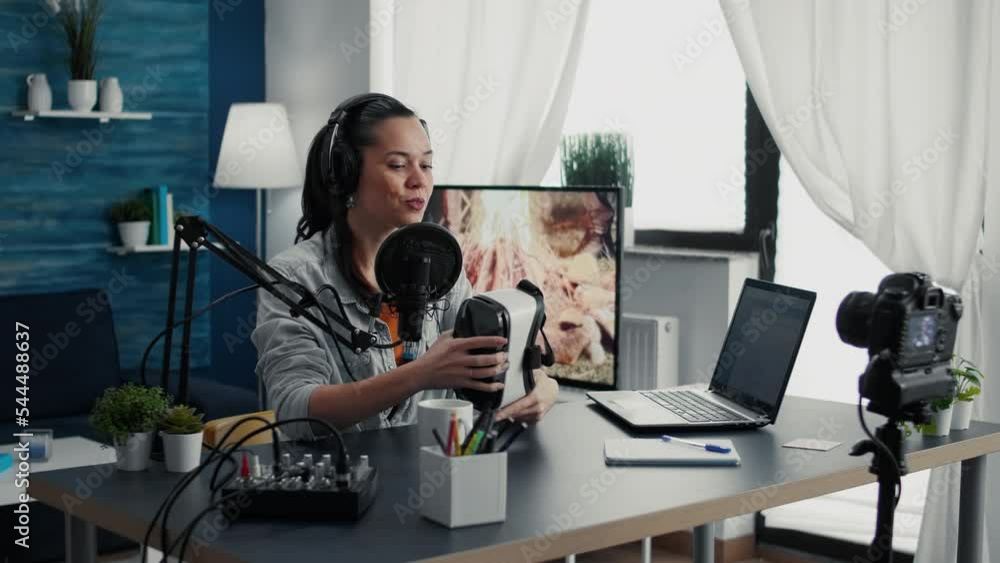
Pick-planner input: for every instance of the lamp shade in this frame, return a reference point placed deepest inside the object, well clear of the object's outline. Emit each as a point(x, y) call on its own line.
point(257, 151)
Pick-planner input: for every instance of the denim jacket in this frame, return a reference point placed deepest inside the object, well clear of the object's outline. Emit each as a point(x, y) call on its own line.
point(294, 356)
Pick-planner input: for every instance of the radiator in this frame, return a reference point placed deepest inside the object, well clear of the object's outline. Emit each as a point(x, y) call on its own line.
point(648, 352)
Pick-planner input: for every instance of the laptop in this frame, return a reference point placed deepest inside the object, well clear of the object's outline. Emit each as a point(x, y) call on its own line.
point(750, 376)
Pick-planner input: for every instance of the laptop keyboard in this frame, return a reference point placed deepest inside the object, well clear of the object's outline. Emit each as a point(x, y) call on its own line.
point(692, 407)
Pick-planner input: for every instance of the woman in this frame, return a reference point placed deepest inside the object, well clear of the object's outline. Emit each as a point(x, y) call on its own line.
point(368, 172)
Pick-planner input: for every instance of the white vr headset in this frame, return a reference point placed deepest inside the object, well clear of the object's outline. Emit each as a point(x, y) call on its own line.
point(517, 315)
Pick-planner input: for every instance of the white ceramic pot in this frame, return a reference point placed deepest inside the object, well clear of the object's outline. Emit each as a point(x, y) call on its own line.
point(134, 233)
point(82, 94)
point(133, 455)
point(962, 416)
point(111, 95)
point(628, 228)
point(182, 452)
point(940, 423)
point(39, 93)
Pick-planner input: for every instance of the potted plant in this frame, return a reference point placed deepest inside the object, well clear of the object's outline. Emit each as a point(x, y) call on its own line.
point(133, 218)
point(129, 415)
point(968, 384)
point(181, 430)
point(79, 19)
point(601, 159)
point(941, 414)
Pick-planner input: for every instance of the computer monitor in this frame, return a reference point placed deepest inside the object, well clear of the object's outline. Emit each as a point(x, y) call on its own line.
point(564, 240)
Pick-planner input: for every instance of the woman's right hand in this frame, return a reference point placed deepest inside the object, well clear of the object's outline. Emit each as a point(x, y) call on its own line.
point(450, 363)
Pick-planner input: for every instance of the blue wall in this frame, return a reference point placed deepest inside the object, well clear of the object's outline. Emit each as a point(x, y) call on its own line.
point(58, 176)
point(236, 70)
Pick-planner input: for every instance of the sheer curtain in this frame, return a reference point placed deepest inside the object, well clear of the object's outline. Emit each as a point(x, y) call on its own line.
point(492, 79)
point(883, 111)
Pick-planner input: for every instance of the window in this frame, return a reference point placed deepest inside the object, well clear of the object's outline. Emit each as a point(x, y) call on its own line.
point(826, 368)
point(668, 74)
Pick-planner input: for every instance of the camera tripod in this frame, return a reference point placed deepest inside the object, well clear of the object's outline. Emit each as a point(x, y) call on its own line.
point(889, 465)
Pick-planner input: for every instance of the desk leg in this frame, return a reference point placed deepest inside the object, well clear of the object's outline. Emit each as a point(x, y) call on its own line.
point(703, 548)
point(81, 541)
point(971, 509)
point(647, 549)
point(571, 558)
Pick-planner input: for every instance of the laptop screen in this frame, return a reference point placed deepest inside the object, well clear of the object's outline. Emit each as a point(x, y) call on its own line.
point(759, 352)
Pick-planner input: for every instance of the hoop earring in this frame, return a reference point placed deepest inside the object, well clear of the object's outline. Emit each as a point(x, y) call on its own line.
point(351, 202)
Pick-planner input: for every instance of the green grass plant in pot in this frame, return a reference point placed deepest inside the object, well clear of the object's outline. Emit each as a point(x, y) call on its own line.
point(601, 159)
point(181, 430)
point(128, 415)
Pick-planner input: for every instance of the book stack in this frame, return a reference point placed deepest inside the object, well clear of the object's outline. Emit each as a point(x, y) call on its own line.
point(161, 232)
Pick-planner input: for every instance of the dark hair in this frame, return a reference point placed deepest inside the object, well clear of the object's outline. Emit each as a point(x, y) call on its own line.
point(322, 207)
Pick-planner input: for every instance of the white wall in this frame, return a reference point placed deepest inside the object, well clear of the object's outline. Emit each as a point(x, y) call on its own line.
point(317, 55)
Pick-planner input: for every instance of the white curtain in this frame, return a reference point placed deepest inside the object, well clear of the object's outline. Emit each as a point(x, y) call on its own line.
point(883, 110)
point(492, 79)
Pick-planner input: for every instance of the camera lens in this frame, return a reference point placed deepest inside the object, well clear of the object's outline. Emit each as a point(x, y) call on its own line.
point(854, 318)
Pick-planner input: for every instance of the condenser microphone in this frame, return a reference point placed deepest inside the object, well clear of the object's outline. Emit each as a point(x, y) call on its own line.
point(415, 266)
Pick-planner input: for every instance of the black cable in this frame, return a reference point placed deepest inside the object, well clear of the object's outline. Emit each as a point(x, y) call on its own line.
point(228, 453)
point(341, 467)
point(885, 451)
point(185, 481)
point(185, 536)
point(195, 315)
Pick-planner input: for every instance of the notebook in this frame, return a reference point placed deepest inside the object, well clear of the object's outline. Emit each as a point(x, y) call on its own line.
point(653, 451)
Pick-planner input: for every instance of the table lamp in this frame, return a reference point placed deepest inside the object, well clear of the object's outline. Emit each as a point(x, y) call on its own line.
point(257, 153)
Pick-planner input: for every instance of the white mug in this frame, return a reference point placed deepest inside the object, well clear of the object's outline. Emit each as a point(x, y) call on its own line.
point(435, 414)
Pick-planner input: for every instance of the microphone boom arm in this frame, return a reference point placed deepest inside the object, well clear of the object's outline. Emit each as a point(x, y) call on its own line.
point(195, 231)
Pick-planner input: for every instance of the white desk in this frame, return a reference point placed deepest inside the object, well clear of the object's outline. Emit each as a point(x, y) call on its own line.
point(66, 453)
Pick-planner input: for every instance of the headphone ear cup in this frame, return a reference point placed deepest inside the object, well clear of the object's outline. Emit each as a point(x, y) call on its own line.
point(344, 172)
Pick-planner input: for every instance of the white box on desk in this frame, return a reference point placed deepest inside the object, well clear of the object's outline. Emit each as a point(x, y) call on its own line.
point(465, 490)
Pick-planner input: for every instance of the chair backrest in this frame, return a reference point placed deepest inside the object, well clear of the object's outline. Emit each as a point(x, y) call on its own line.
point(73, 350)
point(215, 430)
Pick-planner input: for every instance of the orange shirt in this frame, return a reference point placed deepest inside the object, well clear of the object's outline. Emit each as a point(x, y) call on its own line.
point(391, 319)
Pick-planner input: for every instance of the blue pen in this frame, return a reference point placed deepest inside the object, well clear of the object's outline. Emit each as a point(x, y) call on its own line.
point(707, 447)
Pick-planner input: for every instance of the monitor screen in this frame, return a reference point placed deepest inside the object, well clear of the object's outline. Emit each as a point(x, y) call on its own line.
point(565, 241)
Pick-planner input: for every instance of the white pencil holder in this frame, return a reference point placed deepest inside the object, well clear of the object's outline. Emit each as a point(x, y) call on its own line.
point(464, 490)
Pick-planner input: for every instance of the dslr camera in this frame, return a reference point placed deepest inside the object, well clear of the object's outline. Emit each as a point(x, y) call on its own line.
point(909, 328)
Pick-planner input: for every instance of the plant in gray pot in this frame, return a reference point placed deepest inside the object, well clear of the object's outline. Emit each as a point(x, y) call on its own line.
point(601, 159)
point(182, 431)
point(132, 216)
point(129, 415)
point(78, 20)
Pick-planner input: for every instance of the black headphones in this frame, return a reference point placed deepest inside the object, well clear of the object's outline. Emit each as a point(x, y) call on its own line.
point(341, 163)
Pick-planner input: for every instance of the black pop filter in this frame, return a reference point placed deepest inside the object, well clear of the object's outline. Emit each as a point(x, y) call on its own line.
point(417, 264)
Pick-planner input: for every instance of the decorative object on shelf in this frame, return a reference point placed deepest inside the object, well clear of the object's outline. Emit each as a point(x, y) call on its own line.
point(968, 384)
point(181, 430)
point(79, 19)
point(112, 100)
point(601, 159)
point(129, 415)
point(132, 217)
point(161, 203)
point(274, 164)
point(39, 93)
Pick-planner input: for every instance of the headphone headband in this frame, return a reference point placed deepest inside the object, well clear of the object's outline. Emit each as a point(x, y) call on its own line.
point(337, 119)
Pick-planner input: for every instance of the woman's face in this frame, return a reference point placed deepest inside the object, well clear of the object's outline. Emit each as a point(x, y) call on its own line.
point(396, 180)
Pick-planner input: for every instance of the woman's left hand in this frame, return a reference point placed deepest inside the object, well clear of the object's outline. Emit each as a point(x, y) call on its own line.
point(533, 406)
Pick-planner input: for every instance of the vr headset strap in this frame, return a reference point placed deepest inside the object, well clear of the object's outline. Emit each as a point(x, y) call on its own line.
point(534, 357)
